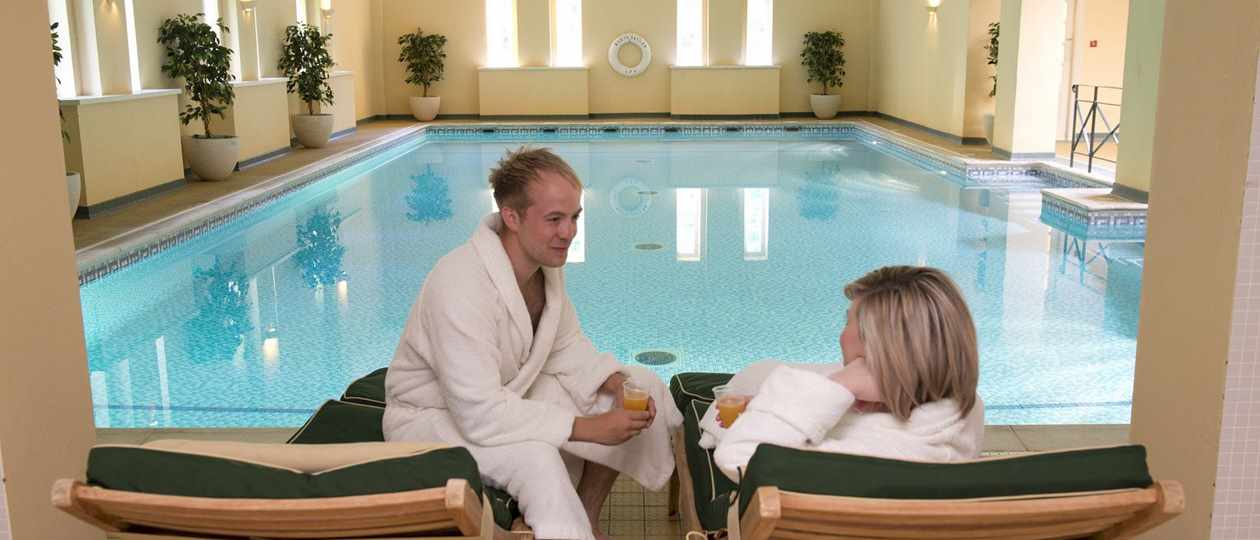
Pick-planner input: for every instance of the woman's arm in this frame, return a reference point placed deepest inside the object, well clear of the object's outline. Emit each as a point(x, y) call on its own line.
point(795, 408)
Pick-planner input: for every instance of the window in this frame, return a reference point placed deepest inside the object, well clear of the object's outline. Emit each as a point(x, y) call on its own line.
point(760, 24)
point(501, 33)
point(300, 6)
point(756, 224)
point(59, 13)
point(690, 33)
point(568, 33)
point(133, 51)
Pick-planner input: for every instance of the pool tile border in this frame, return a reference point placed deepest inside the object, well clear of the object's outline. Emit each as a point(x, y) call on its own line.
point(105, 258)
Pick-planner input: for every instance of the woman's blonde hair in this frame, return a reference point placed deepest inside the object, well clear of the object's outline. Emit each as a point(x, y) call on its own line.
point(919, 337)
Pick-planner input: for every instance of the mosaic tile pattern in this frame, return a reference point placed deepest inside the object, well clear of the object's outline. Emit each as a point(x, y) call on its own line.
point(1097, 224)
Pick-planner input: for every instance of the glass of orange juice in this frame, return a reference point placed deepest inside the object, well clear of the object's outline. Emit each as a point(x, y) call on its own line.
point(633, 396)
point(729, 404)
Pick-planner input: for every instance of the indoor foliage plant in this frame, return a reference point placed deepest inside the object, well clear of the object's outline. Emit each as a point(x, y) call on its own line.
point(73, 185)
point(424, 58)
point(195, 56)
point(305, 61)
point(995, 29)
point(823, 58)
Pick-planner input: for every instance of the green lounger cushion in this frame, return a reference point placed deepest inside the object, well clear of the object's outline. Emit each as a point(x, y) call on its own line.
point(713, 490)
point(691, 386)
point(824, 473)
point(165, 472)
point(341, 422)
point(367, 390)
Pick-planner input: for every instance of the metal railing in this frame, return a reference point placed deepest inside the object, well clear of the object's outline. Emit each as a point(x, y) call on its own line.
point(1086, 113)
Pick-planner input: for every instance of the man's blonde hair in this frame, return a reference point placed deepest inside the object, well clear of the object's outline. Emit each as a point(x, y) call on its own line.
point(519, 168)
point(919, 337)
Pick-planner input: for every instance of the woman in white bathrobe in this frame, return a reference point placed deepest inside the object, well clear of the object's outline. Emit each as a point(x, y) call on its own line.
point(907, 389)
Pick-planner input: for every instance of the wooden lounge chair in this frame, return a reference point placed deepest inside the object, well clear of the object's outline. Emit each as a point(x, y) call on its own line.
point(773, 513)
point(1101, 493)
point(171, 489)
point(453, 511)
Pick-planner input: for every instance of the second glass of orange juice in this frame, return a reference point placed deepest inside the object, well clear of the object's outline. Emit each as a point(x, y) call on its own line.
point(634, 397)
point(729, 404)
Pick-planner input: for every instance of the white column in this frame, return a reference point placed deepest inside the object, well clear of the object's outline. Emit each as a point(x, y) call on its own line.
point(1030, 69)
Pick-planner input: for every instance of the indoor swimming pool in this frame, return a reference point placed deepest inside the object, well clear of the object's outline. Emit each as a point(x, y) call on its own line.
point(694, 254)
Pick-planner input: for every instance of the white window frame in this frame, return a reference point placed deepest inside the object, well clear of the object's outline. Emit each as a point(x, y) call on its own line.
point(501, 43)
point(690, 45)
point(566, 33)
point(759, 33)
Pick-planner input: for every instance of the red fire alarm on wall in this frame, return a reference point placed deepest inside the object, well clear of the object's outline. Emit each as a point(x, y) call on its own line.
point(1093, 43)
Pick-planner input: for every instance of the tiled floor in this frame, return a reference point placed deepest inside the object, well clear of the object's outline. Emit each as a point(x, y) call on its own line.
point(633, 513)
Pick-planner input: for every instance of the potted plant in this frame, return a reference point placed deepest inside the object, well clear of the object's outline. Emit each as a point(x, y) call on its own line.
point(195, 56)
point(304, 59)
point(995, 29)
point(823, 57)
point(74, 186)
point(424, 58)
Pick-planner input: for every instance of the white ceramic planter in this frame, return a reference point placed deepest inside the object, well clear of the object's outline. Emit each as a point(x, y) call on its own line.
point(988, 127)
point(425, 109)
point(212, 159)
point(74, 186)
point(313, 130)
point(825, 106)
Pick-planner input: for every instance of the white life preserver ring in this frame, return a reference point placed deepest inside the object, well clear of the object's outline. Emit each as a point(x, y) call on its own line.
point(632, 39)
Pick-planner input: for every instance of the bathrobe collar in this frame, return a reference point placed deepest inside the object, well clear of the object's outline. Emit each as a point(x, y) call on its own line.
point(489, 248)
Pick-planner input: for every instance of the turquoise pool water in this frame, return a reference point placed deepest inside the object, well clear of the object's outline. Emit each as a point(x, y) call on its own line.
point(720, 252)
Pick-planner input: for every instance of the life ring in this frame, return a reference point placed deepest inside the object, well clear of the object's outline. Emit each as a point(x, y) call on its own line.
point(630, 197)
point(632, 39)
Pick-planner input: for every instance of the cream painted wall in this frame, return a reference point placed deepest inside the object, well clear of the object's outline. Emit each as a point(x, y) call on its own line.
point(463, 24)
point(272, 17)
point(533, 32)
point(726, 32)
point(111, 45)
point(1199, 162)
point(1107, 22)
point(343, 108)
point(1138, 101)
point(978, 102)
point(259, 118)
point(854, 19)
point(149, 17)
point(691, 90)
point(45, 407)
point(920, 63)
point(602, 22)
point(356, 46)
point(530, 91)
point(125, 146)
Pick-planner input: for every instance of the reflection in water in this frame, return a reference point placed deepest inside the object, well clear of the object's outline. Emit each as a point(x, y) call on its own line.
point(690, 223)
point(756, 224)
point(429, 199)
point(222, 318)
point(319, 250)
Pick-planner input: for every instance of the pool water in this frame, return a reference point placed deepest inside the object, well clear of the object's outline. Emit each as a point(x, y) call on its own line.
point(715, 252)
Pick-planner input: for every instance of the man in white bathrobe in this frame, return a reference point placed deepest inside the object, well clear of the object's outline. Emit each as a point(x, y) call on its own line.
point(493, 358)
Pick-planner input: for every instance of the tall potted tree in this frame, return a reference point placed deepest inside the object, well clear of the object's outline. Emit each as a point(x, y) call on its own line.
point(823, 58)
point(304, 59)
point(195, 56)
point(73, 184)
point(995, 29)
point(424, 57)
